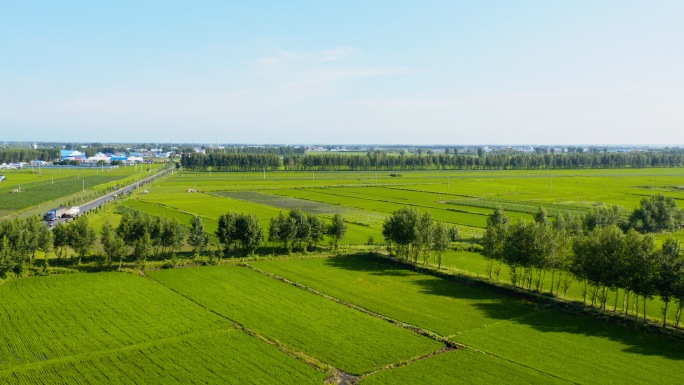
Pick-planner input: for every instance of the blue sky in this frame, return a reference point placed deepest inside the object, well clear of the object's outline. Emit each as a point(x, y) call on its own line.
point(429, 72)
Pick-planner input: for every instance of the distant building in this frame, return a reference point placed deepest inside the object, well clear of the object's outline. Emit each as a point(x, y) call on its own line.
point(72, 155)
point(133, 159)
point(99, 157)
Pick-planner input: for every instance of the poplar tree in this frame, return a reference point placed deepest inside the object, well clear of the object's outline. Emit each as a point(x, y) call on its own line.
point(197, 238)
point(669, 271)
point(493, 240)
point(337, 230)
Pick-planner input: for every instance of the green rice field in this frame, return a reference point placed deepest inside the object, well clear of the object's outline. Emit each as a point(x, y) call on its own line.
point(349, 318)
point(337, 335)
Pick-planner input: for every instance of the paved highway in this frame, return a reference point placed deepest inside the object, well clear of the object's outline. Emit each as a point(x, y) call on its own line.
point(112, 195)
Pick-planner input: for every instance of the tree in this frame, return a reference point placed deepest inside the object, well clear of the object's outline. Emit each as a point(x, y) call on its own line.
point(669, 272)
point(337, 230)
point(46, 243)
point(424, 238)
point(454, 234)
point(401, 231)
point(107, 236)
point(541, 216)
point(172, 236)
point(639, 254)
point(61, 239)
point(197, 238)
point(132, 227)
point(250, 235)
point(6, 257)
point(317, 230)
point(605, 216)
point(658, 213)
point(82, 237)
point(561, 253)
point(516, 245)
point(142, 249)
point(493, 239)
point(282, 229)
point(302, 228)
point(225, 233)
point(597, 260)
point(113, 245)
point(441, 240)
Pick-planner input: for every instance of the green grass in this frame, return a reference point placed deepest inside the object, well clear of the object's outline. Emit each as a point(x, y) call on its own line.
point(335, 334)
point(582, 349)
point(49, 318)
point(222, 356)
point(442, 306)
point(464, 366)
point(284, 203)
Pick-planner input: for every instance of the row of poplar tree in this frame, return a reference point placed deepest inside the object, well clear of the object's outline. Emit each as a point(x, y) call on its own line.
point(410, 234)
point(376, 161)
point(146, 237)
point(594, 250)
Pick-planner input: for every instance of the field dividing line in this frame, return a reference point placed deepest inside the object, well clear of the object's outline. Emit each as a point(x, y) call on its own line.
point(416, 329)
point(305, 358)
point(523, 365)
point(503, 321)
point(409, 361)
point(108, 352)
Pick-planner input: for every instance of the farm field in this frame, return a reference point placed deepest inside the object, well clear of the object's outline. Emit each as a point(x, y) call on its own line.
point(186, 324)
point(65, 309)
point(572, 347)
point(444, 307)
point(332, 333)
point(54, 183)
point(223, 356)
point(462, 198)
point(464, 366)
point(121, 328)
point(581, 349)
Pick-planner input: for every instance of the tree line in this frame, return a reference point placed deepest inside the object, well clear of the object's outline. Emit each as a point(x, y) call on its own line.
point(410, 234)
point(601, 250)
point(148, 238)
point(379, 161)
point(221, 161)
point(277, 150)
point(16, 155)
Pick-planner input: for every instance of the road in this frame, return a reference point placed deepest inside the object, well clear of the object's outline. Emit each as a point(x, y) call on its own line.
point(112, 195)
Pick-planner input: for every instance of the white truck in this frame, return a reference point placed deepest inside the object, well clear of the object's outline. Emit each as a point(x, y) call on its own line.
point(72, 212)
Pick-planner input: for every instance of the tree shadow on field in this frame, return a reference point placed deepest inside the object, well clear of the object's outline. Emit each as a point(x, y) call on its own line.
point(502, 303)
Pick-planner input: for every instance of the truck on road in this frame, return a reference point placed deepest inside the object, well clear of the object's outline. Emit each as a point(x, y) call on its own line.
point(55, 214)
point(72, 212)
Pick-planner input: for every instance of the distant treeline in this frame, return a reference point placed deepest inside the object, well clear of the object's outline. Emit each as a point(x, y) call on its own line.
point(222, 161)
point(16, 155)
point(281, 150)
point(382, 161)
